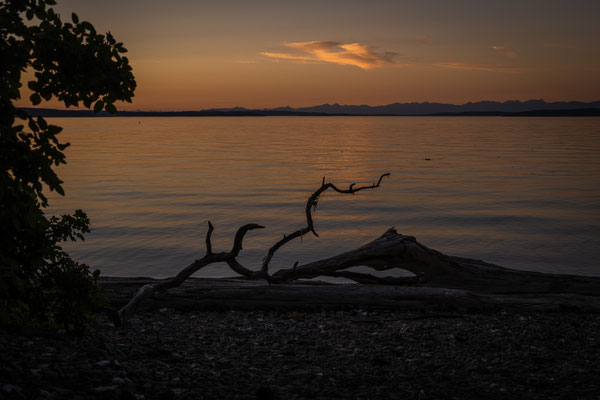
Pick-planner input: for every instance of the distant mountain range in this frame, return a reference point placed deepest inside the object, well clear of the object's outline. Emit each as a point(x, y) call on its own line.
point(480, 108)
point(426, 108)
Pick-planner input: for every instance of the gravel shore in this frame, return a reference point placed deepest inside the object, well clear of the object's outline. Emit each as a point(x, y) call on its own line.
point(169, 354)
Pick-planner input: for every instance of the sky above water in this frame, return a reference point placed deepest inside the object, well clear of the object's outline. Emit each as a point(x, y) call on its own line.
point(190, 55)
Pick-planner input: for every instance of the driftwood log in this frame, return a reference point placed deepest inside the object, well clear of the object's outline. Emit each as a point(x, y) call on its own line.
point(392, 250)
point(434, 269)
point(224, 294)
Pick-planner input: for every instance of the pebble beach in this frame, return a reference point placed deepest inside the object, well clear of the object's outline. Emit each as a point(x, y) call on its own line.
point(345, 354)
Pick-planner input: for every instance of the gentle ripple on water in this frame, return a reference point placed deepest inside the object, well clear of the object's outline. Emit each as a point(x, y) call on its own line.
point(519, 192)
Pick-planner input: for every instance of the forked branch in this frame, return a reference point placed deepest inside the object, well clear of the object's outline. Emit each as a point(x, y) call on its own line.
point(210, 258)
point(390, 251)
point(311, 205)
point(231, 257)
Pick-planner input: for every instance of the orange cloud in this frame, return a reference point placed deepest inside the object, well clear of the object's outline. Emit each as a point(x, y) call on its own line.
point(505, 51)
point(356, 54)
point(478, 67)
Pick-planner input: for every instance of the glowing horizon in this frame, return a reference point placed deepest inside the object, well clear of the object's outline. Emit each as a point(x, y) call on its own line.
point(191, 56)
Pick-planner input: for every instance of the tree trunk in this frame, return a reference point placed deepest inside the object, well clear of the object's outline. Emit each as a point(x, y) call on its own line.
point(434, 269)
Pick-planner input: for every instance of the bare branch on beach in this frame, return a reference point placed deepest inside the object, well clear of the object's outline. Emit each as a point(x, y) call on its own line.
point(391, 251)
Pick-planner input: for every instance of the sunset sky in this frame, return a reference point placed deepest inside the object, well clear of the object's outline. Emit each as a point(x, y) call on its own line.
point(190, 55)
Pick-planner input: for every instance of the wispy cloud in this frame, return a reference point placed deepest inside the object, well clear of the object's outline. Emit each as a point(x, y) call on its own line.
point(478, 67)
point(505, 51)
point(356, 54)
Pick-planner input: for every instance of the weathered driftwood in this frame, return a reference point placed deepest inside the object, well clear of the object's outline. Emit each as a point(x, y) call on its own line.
point(242, 294)
point(392, 250)
point(231, 258)
point(434, 269)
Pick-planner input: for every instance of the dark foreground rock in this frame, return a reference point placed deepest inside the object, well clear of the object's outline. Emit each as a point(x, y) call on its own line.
point(171, 354)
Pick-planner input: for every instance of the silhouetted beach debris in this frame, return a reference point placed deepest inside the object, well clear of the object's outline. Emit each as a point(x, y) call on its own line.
point(342, 354)
point(392, 251)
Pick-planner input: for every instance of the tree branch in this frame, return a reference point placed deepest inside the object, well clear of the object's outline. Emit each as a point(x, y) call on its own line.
point(208, 234)
point(231, 257)
point(239, 236)
point(210, 258)
point(387, 252)
point(311, 205)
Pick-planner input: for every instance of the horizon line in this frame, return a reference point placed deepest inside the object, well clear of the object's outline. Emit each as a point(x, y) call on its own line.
point(276, 108)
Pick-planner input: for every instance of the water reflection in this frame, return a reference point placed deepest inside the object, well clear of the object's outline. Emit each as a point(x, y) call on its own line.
point(520, 192)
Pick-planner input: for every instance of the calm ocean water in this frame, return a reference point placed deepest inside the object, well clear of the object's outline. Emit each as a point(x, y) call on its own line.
point(519, 192)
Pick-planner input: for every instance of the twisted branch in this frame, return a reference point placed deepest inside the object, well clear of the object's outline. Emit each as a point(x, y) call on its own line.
point(389, 251)
point(208, 234)
point(231, 257)
point(210, 258)
point(311, 205)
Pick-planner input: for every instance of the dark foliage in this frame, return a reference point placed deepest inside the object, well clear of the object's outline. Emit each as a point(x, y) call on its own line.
point(39, 282)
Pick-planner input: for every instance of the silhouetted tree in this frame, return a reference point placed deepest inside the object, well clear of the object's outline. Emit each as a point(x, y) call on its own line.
point(39, 282)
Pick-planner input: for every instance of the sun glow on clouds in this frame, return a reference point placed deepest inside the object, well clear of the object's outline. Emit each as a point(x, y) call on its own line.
point(356, 54)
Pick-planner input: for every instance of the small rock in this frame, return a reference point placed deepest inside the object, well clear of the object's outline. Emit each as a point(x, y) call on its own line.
point(103, 363)
point(8, 388)
point(104, 389)
point(118, 381)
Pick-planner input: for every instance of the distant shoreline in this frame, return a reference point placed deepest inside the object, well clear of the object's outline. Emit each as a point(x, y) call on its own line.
point(49, 113)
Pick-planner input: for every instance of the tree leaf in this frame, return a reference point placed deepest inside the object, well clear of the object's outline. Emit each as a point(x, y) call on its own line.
point(110, 108)
point(42, 123)
point(75, 18)
point(35, 99)
point(32, 125)
point(54, 130)
point(98, 106)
